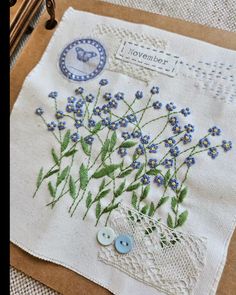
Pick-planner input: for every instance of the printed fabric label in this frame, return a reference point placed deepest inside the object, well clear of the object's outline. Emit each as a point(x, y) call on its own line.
point(148, 57)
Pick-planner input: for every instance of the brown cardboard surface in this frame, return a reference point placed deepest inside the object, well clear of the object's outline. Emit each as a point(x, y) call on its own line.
point(57, 277)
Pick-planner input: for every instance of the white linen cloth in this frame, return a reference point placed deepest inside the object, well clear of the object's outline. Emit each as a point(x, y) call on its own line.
point(55, 236)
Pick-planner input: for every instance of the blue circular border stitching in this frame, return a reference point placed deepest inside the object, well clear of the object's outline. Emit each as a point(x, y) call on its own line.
point(92, 75)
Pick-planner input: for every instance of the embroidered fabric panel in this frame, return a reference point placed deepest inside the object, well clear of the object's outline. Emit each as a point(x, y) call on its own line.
point(165, 259)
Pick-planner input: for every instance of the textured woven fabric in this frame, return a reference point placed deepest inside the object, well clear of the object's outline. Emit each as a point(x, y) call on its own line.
point(214, 13)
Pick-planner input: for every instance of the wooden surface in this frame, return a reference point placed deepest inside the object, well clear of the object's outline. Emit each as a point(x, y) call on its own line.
point(57, 277)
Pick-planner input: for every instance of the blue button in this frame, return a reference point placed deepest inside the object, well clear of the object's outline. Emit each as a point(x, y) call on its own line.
point(123, 244)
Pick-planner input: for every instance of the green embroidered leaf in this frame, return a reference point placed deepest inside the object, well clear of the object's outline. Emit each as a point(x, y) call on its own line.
point(139, 172)
point(110, 208)
point(51, 173)
point(153, 172)
point(151, 209)
point(105, 149)
point(102, 185)
point(135, 156)
point(62, 176)
point(182, 218)
point(167, 177)
point(106, 171)
point(54, 156)
point(70, 153)
point(120, 189)
point(183, 194)
point(102, 195)
point(174, 203)
point(97, 128)
point(85, 147)
point(65, 141)
point(98, 209)
point(89, 200)
point(133, 187)
point(144, 209)
point(170, 221)
point(39, 178)
point(145, 192)
point(72, 187)
point(51, 189)
point(134, 200)
point(162, 201)
point(83, 176)
point(128, 144)
point(113, 141)
point(125, 173)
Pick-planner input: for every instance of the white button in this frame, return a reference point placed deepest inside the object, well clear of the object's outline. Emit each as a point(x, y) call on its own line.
point(106, 236)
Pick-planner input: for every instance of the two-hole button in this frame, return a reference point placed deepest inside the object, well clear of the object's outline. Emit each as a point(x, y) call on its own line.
point(106, 236)
point(123, 244)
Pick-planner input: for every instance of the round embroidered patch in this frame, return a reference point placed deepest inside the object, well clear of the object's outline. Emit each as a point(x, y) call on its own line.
point(82, 60)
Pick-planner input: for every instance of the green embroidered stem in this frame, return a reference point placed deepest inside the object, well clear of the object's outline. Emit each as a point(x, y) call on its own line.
point(161, 132)
point(96, 100)
point(53, 133)
point(156, 119)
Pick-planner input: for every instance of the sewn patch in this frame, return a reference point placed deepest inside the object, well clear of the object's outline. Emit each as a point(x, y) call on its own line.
point(148, 57)
point(82, 59)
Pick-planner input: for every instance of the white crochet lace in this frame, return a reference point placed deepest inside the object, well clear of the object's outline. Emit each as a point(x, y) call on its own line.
point(165, 259)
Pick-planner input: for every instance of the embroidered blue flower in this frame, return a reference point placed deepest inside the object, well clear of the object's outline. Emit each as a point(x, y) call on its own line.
point(157, 105)
point(123, 122)
point(145, 179)
point(140, 149)
point(173, 121)
point(136, 164)
point(126, 135)
point(59, 115)
point(89, 139)
point(185, 112)
point(61, 125)
point(106, 109)
point(136, 134)
point(107, 96)
point(167, 163)
point(213, 153)
point(97, 111)
point(78, 123)
point(106, 121)
point(80, 103)
point(152, 163)
point(154, 90)
point(119, 96)
point(75, 137)
point(51, 126)
point(89, 98)
point(174, 151)
point(91, 123)
point(159, 180)
point(204, 142)
point(170, 106)
point(169, 142)
point(139, 94)
point(113, 125)
point(103, 82)
point(53, 94)
point(186, 138)
point(70, 107)
point(214, 131)
point(145, 139)
point(122, 151)
point(79, 112)
point(177, 129)
point(189, 128)
point(79, 90)
point(173, 184)
point(189, 161)
point(153, 148)
point(39, 111)
point(131, 118)
point(113, 104)
point(226, 145)
point(71, 99)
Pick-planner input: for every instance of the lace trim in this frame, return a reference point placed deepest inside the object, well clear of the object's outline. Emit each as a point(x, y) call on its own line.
point(166, 259)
